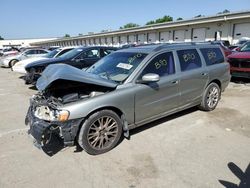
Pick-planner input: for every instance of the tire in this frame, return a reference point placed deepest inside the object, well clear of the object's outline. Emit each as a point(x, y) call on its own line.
point(97, 137)
point(211, 97)
point(13, 62)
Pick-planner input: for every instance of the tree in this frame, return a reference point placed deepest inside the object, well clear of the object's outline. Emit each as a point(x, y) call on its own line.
point(150, 22)
point(179, 18)
point(160, 20)
point(129, 25)
point(198, 16)
point(80, 34)
point(224, 12)
point(66, 35)
point(1, 38)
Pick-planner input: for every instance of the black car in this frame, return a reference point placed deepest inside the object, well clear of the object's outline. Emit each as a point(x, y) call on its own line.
point(81, 57)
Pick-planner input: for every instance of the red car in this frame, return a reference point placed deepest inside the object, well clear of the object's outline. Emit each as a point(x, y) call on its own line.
point(240, 62)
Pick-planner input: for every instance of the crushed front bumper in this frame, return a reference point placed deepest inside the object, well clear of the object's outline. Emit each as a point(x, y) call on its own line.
point(42, 130)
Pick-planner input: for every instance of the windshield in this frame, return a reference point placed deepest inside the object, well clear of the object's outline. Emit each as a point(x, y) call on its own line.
point(72, 53)
point(245, 47)
point(52, 53)
point(117, 66)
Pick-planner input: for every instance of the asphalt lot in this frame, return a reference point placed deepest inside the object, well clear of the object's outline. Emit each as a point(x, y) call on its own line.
point(189, 149)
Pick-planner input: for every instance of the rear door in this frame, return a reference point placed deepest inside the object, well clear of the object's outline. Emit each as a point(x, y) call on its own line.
point(155, 99)
point(194, 76)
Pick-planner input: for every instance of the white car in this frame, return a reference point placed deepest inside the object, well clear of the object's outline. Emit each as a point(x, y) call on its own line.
point(12, 60)
point(20, 66)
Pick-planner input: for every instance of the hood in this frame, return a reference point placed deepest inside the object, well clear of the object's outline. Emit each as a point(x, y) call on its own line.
point(239, 55)
point(44, 62)
point(66, 72)
point(29, 60)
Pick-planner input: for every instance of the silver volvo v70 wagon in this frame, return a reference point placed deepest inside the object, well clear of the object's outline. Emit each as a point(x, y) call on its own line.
point(124, 90)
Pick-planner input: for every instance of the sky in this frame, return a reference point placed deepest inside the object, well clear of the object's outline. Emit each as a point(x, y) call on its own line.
point(55, 18)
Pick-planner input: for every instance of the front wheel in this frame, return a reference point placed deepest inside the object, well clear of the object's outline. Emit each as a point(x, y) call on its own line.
point(100, 132)
point(210, 97)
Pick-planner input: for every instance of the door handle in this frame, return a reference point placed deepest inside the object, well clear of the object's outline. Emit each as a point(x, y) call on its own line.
point(175, 82)
point(204, 74)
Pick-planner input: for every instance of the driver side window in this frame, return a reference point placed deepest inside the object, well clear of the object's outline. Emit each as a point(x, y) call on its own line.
point(94, 53)
point(162, 65)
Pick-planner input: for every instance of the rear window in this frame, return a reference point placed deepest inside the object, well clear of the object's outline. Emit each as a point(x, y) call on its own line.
point(212, 55)
point(189, 59)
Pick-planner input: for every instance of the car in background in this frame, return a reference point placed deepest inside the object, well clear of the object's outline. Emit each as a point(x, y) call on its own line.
point(20, 66)
point(122, 91)
point(12, 60)
point(224, 44)
point(240, 62)
point(8, 52)
point(240, 43)
point(80, 57)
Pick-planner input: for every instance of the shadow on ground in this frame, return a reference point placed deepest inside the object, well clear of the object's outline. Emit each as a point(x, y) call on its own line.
point(240, 80)
point(56, 144)
point(244, 177)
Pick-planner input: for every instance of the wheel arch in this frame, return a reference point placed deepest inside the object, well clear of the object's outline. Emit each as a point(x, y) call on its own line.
point(217, 81)
point(12, 61)
point(112, 108)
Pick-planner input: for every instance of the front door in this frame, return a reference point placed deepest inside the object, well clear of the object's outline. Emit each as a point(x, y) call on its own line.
point(155, 99)
point(86, 58)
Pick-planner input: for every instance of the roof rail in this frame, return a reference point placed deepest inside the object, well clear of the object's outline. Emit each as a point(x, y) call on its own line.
point(180, 43)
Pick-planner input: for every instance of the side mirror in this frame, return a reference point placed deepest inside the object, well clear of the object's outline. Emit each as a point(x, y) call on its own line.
point(150, 77)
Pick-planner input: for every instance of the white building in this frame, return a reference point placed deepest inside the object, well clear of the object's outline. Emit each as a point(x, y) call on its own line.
point(229, 26)
point(21, 42)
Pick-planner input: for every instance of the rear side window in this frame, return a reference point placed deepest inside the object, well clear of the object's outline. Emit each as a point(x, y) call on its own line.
point(212, 55)
point(162, 65)
point(189, 59)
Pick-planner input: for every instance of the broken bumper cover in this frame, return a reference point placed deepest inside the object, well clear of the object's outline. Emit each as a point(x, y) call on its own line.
point(42, 130)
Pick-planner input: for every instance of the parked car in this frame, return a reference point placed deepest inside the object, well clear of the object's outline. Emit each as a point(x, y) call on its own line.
point(12, 60)
point(8, 52)
point(224, 44)
point(122, 91)
point(240, 43)
point(240, 62)
point(20, 66)
point(81, 57)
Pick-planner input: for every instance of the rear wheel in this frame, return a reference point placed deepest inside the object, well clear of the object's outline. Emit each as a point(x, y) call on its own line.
point(13, 62)
point(210, 97)
point(100, 132)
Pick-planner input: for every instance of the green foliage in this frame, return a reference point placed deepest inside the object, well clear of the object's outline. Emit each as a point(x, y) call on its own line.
point(198, 16)
point(150, 22)
point(129, 25)
point(179, 18)
point(224, 12)
point(161, 20)
point(66, 35)
point(1, 38)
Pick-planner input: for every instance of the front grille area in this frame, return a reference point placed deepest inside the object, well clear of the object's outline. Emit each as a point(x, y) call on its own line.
point(240, 63)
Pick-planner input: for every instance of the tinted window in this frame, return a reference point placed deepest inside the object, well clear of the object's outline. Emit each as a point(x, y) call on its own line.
point(89, 54)
point(107, 51)
point(63, 52)
point(162, 65)
point(41, 52)
point(189, 59)
point(245, 47)
point(30, 52)
point(212, 55)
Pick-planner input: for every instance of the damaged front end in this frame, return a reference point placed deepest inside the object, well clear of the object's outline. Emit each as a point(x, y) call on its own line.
point(45, 121)
point(47, 115)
